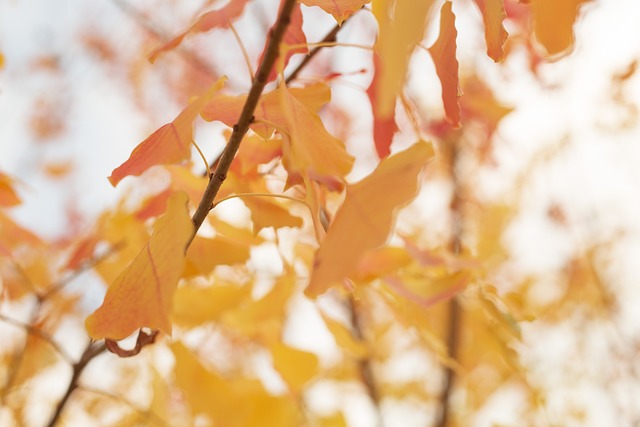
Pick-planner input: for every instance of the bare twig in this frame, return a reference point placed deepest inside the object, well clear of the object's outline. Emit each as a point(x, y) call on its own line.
point(32, 330)
point(88, 355)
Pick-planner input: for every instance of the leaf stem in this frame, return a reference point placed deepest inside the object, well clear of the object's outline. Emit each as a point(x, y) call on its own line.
point(246, 116)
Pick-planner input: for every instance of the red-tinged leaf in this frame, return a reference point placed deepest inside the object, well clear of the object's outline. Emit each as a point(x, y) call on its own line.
point(339, 9)
point(402, 26)
point(293, 36)
point(82, 252)
point(553, 23)
point(221, 18)
point(8, 196)
point(384, 126)
point(365, 219)
point(142, 294)
point(443, 53)
point(493, 15)
point(168, 145)
point(155, 205)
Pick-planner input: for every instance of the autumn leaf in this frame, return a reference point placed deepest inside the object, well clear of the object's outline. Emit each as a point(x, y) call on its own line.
point(8, 196)
point(309, 149)
point(297, 367)
point(443, 53)
point(493, 14)
point(168, 145)
point(205, 253)
point(221, 18)
point(384, 125)
point(553, 23)
point(194, 305)
point(402, 26)
point(340, 9)
point(294, 36)
point(142, 294)
point(365, 219)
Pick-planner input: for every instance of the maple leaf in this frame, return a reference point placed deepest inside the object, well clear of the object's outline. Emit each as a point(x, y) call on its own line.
point(221, 18)
point(493, 14)
point(402, 25)
point(443, 53)
point(553, 23)
point(168, 145)
point(339, 9)
point(141, 295)
point(366, 217)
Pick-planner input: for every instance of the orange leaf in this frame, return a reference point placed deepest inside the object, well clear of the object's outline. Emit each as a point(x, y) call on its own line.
point(384, 126)
point(402, 25)
point(553, 23)
point(142, 294)
point(365, 219)
point(168, 145)
point(493, 14)
point(309, 149)
point(443, 53)
point(293, 36)
point(220, 18)
point(193, 306)
point(8, 196)
point(339, 9)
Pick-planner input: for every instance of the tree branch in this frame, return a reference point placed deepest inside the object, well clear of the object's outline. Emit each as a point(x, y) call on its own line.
point(88, 355)
point(246, 117)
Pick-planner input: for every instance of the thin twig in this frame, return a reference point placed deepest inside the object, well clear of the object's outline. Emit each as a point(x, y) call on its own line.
point(330, 37)
point(246, 117)
point(32, 330)
point(88, 355)
point(147, 414)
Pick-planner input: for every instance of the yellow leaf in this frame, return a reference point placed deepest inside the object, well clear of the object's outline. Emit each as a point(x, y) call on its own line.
point(365, 219)
point(334, 420)
point(204, 254)
point(402, 26)
point(345, 339)
point(194, 305)
point(230, 403)
point(297, 367)
point(553, 23)
point(142, 294)
point(380, 262)
point(443, 53)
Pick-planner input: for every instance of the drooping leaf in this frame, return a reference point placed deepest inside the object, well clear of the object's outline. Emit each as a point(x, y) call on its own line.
point(553, 23)
point(168, 145)
point(297, 367)
point(443, 53)
point(142, 294)
point(205, 253)
point(493, 14)
point(365, 219)
point(402, 26)
point(384, 126)
point(293, 36)
point(339, 9)
point(221, 18)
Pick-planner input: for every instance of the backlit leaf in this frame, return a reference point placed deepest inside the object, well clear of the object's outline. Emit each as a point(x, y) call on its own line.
point(142, 294)
point(8, 196)
point(295, 366)
point(443, 53)
point(193, 305)
point(402, 26)
point(384, 125)
point(168, 145)
point(339, 9)
point(493, 14)
point(365, 219)
point(221, 18)
point(553, 23)
point(205, 253)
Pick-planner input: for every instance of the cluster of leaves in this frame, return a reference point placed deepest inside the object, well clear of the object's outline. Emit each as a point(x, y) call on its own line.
point(181, 278)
